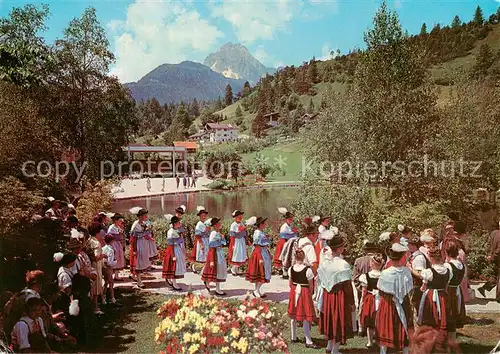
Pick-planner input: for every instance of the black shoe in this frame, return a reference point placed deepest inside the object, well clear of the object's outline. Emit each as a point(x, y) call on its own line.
point(312, 346)
point(285, 277)
point(263, 296)
point(220, 294)
point(481, 291)
point(176, 289)
point(296, 340)
point(193, 269)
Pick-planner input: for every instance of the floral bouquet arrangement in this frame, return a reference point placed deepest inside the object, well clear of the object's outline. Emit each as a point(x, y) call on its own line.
point(196, 324)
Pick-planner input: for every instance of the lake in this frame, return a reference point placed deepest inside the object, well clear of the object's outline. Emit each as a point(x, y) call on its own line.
point(258, 202)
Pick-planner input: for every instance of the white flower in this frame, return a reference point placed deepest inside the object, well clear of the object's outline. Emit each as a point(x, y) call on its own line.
point(253, 313)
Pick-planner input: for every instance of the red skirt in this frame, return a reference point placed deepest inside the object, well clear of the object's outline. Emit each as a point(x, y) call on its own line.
point(209, 273)
point(457, 315)
point(390, 330)
point(169, 264)
point(277, 252)
point(255, 272)
point(368, 311)
point(430, 316)
point(132, 255)
point(230, 253)
point(335, 321)
point(304, 311)
point(197, 240)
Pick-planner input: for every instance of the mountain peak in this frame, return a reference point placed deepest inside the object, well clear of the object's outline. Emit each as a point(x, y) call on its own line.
point(233, 60)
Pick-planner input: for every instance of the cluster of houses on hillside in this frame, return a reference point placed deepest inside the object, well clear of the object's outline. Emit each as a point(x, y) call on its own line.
point(216, 133)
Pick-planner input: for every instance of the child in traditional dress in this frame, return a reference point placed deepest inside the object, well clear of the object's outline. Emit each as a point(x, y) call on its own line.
point(97, 263)
point(215, 269)
point(455, 295)
point(116, 229)
point(433, 309)
point(286, 233)
point(174, 260)
point(139, 245)
point(394, 320)
point(370, 298)
point(28, 335)
point(237, 254)
point(335, 297)
point(201, 234)
point(300, 302)
point(259, 264)
point(107, 269)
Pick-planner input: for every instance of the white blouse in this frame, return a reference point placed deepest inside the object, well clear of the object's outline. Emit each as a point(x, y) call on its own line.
point(427, 274)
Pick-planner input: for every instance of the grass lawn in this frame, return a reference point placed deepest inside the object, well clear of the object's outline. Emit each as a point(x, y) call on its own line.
point(290, 155)
point(130, 329)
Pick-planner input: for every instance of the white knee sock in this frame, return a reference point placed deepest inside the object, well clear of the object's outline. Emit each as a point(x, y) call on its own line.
point(406, 350)
point(307, 332)
point(383, 350)
point(293, 329)
point(174, 283)
point(138, 277)
point(336, 348)
point(370, 335)
point(234, 269)
point(257, 288)
point(217, 287)
point(329, 346)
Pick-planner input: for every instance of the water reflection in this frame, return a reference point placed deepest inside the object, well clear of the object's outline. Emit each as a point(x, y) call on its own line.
point(253, 202)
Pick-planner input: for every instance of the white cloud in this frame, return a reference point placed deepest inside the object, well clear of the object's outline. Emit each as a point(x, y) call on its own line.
point(155, 33)
point(326, 52)
point(256, 19)
point(260, 54)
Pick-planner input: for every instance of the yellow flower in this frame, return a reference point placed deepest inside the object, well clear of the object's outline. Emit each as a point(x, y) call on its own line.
point(235, 332)
point(224, 350)
point(193, 348)
point(195, 337)
point(187, 337)
point(215, 329)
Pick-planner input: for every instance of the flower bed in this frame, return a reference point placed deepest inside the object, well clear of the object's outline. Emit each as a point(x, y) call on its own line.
point(196, 324)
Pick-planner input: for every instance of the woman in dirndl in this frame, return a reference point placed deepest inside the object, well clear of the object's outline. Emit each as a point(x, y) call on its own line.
point(201, 236)
point(237, 254)
point(215, 269)
point(259, 264)
point(118, 243)
point(174, 259)
point(300, 302)
point(394, 320)
point(335, 296)
point(456, 301)
point(370, 298)
point(139, 245)
point(433, 309)
point(392, 238)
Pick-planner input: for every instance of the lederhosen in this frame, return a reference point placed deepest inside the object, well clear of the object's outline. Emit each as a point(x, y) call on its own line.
point(36, 339)
point(416, 293)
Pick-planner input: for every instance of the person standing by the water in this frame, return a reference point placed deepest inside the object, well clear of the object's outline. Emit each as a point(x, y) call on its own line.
point(163, 184)
point(215, 269)
point(148, 184)
point(194, 179)
point(116, 229)
point(184, 181)
point(174, 260)
point(259, 265)
point(139, 248)
point(286, 232)
point(201, 234)
point(237, 254)
point(177, 180)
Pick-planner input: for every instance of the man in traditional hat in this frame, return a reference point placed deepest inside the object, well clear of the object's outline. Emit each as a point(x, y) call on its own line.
point(54, 212)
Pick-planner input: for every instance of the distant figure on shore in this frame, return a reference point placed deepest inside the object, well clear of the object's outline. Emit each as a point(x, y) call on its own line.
point(193, 180)
point(163, 184)
point(177, 180)
point(148, 184)
point(184, 181)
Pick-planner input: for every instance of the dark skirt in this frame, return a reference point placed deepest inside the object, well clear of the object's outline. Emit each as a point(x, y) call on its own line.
point(457, 314)
point(368, 311)
point(169, 264)
point(430, 314)
point(304, 311)
point(256, 272)
point(209, 273)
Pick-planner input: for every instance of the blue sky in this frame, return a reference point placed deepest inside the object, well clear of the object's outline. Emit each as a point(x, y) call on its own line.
point(146, 33)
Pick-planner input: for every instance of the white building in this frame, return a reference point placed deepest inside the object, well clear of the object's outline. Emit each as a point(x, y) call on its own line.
point(216, 133)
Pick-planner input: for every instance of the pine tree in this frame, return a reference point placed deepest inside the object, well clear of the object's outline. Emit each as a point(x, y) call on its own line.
point(312, 72)
point(239, 112)
point(484, 60)
point(194, 109)
point(310, 108)
point(259, 125)
point(246, 89)
point(423, 29)
point(229, 95)
point(456, 22)
point(478, 16)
